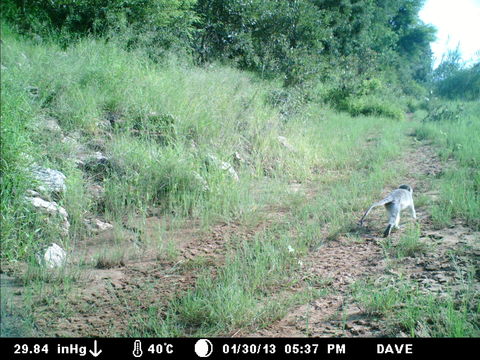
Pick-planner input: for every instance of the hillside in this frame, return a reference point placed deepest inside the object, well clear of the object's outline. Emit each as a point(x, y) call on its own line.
point(209, 198)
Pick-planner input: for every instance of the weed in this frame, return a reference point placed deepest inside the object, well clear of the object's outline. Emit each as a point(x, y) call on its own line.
point(110, 258)
point(409, 243)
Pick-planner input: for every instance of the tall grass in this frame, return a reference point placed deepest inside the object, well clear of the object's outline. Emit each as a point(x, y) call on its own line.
point(457, 138)
point(17, 154)
point(157, 123)
point(238, 296)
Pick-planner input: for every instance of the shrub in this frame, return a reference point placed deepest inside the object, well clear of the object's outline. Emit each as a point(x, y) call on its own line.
point(369, 105)
point(443, 111)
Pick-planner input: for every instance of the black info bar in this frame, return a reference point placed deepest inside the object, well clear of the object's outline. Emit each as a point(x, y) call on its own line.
point(235, 348)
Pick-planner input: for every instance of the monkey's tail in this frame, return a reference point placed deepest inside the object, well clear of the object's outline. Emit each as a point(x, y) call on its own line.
point(385, 201)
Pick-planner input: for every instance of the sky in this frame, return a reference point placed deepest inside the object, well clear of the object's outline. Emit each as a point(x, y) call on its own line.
point(457, 21)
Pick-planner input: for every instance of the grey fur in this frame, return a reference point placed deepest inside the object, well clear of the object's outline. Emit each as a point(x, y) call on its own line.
point(398, 200)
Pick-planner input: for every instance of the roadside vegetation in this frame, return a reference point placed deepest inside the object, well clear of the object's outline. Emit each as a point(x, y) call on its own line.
point(283, 118)
point(450, 125)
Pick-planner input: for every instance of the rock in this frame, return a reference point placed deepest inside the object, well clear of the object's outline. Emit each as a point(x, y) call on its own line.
point(283, 140)
point(223, 165)
point(51, 181)
point(96, 164)
point(49, 124)
point(53, 257)
point(102, 226)
point(96, 225)
point(97, 193)
point(32, 193)
point(50, 208)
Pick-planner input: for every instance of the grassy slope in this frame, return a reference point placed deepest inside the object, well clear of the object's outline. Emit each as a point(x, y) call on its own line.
point(201, 111)
point(216, 111)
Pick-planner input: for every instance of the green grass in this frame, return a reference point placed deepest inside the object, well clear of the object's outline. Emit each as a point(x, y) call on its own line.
point(407, 308)
point(239, 295)
point(408, 245)
point(159, 125)
point(456, 139)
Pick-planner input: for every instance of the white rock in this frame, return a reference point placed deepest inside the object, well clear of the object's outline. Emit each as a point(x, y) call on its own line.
point(102, 226)
point(53, 257)
point(32, 193)
point(50, 124)
point(51, 208)
point(223, 165)
point(96, 225)
point(228, 167)
point(51, 180)
point(239, 158)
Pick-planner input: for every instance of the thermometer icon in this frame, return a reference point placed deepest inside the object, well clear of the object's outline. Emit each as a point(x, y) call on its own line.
point(137, 348)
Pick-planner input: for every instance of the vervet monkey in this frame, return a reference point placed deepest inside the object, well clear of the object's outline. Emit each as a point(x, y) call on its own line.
point(395, 202)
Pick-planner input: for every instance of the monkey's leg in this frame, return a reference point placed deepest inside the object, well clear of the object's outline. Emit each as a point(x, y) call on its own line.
point(397, 220)
point(393, 217)
point(412, 209)
point(388, 230)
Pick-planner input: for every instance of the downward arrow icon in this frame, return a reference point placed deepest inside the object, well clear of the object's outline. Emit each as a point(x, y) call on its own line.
point(95, 353)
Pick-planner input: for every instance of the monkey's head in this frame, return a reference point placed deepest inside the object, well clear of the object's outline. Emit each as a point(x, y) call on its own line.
point(406, 187)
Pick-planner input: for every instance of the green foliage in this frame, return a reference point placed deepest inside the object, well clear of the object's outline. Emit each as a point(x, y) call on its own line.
point(453, 79)
point(373, 106)
point(300, 39)
point(461, 84)
point(459, 185)
point(296, 41)
point(270, 37)
point(364, 95)
point(443, 111)
point(155, 24)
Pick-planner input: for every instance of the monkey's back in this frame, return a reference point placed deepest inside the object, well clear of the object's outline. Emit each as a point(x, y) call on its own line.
point(401, 198)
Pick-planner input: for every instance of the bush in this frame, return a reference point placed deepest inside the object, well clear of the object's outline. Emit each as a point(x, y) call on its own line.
point(152, 24)
point(443, 111)
point(369, 105)
point(463, 84)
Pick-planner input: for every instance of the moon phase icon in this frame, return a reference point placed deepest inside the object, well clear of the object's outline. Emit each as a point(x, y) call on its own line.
point(203, 348)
